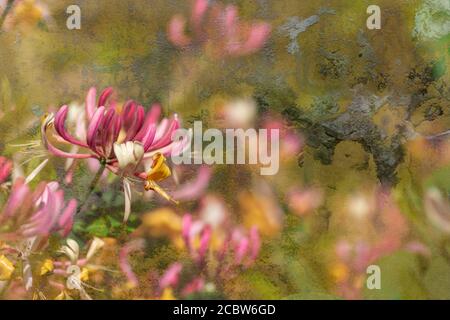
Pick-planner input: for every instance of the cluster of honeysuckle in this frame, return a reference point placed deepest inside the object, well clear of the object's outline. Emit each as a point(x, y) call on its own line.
point(391, 234)
point(125, 140)
point(217, 30)
point(212, 249)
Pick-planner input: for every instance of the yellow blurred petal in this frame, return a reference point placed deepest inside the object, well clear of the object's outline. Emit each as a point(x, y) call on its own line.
point(6, 268)
point(162, 222)
point(168, 294)
point(47, 267)
point(339, 272)
point(261, 211)
point(84, 275)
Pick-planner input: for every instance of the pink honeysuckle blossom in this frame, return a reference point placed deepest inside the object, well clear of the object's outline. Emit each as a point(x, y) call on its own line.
point(130, 142)
point(5, 169)
point(217, 28)
point(37, 213)
point(107, 125)
point(218, 252)
point(238, 248)
point(355, 257)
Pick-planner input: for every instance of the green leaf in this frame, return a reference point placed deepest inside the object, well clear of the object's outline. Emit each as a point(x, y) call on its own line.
point(98, 228)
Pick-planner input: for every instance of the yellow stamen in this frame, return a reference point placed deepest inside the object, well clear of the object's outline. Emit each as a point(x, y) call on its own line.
point(159, 171)
point(47, 267)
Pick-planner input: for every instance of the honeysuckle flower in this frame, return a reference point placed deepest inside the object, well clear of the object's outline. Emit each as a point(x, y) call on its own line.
point(291, 143)
point(76, 271)
point(238, 247)
point(36, 213)
point(196, 236)
point(5, 169)
point(126, 140)
point(218, 30)
point(108, 125)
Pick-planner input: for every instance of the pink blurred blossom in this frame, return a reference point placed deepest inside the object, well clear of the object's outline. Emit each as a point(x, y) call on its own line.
point(304, 201)
point(171, 276)
point(40, 212)
point(218, 28)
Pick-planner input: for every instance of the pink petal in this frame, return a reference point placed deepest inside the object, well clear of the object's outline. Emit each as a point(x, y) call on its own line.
point(90, 103)
point(60, 119)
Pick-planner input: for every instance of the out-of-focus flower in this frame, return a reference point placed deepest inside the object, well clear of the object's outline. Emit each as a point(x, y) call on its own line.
point(218, 30)
point(437, 208)
point(213, 212)
point(303, 201)
point(240, 113)
point(77, 270)
point(5, 169)
point(25, 13)
point(193, 189)
point(162, 222)
point(291, 142)
point(238, 248)
point(354, 257)
point(260, 208)
point(223, 250)
point(36, 213)
point(123, 139)
point(196, 236)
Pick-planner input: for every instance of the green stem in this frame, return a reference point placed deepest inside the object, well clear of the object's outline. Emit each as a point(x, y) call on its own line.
point(8, 8)
point(92, 185)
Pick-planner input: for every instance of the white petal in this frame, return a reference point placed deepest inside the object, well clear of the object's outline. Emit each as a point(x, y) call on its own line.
point(127, 191)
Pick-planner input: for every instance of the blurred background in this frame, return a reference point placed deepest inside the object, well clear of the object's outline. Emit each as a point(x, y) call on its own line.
point(365, 167)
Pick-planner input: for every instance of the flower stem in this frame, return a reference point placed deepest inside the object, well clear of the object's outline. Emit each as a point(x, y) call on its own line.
point(92, 186)
point(8, 8)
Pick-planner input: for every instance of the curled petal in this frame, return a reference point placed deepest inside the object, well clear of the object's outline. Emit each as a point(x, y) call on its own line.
point(90, 102)
point(93, 127)
point(104, 96)
point(60, 119)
